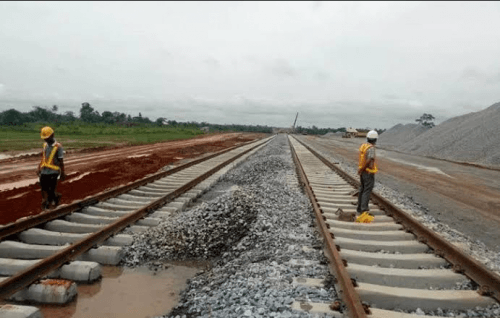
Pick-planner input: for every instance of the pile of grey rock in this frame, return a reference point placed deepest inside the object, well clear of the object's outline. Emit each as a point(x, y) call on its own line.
point(199, 233)
point(470, 138)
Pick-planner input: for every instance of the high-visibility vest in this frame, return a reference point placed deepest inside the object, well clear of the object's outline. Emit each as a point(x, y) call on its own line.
point(372, 168)
point(50, 162)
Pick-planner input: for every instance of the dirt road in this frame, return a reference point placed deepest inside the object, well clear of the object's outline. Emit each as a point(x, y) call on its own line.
point(466, 198)
point(90, 173)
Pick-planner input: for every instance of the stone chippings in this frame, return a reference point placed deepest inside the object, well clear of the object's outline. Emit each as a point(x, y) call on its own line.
point(199, 233)
point(474, 248)
point(252, 236)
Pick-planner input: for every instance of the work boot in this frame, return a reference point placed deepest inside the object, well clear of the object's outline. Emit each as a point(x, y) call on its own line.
point(45, 205)
point(57, 199)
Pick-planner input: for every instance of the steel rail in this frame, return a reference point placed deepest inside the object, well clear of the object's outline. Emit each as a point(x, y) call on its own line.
point(24, 224)
point(45, 266)
point(348, 293)
point(488, 281)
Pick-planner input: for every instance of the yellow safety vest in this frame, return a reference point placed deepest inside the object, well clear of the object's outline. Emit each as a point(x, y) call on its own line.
point(50, 162)
point(372, 168)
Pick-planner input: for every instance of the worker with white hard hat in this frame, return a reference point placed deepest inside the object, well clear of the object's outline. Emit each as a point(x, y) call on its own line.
point(367, 168)
point(50, 168)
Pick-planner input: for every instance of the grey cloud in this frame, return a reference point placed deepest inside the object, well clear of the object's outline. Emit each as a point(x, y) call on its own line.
point(282, 67)
point(212, 62)
point(322, 75)
point(334, 62)
point(472, 74)
point(315, 5)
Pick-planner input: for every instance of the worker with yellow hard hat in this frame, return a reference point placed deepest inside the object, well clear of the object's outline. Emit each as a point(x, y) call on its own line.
point(367, 168)
point(50, 168)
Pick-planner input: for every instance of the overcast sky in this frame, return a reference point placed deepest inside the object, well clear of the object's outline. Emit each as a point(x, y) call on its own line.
point(361, 64)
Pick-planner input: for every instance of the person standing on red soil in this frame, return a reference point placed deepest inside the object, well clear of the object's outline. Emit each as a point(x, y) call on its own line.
point(50, 168)
point(367, 169)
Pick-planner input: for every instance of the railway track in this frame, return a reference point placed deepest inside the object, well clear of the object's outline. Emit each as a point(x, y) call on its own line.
point(71, 242)
point(393, 264)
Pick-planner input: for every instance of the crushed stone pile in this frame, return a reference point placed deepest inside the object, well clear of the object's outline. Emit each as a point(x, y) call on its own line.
point(400, 135)
point(332, 134)
point(200, 233)
point(471, 138)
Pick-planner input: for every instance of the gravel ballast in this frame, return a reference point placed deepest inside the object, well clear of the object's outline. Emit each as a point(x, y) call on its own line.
point(256, 231)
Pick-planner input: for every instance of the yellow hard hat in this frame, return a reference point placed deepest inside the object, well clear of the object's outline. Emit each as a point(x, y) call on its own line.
point(46, 132)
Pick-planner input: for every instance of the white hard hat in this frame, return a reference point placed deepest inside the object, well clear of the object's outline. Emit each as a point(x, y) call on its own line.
point(372, 134)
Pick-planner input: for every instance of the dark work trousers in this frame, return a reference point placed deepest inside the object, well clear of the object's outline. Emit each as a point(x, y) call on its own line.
point(48, 183)
point(365, 189)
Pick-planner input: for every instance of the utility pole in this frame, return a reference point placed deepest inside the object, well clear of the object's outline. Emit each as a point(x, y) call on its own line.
point(293, 127)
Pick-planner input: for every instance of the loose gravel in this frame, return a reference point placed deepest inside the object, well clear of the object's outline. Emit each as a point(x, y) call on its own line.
point(474, 248)
point(470, 138)
point(256, 233)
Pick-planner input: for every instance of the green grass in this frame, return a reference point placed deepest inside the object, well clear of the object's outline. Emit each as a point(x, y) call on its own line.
point(81, 135)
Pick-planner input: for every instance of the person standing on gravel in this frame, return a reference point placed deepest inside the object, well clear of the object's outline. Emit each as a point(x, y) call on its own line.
point(50, 168)
point(367, 168)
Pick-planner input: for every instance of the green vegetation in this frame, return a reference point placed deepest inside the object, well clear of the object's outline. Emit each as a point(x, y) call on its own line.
point(83, 135)
point(21, 131)
point(426, 120)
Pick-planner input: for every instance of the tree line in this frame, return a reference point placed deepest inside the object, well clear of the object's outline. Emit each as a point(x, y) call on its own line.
point(321, 131)
point(88, 114)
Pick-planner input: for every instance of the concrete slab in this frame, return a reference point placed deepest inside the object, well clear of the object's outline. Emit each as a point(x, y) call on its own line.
point(381, 313)
point(302, 262)
point(137, 228)
point(137, 204)
point(169, 209)
point(92, 210)
point(315, 308)
point(403, 247)
point(155, 190)
point(310, 282)
point(71, 227)
point(18, 311)
point(372, 235)
point(161, 215)
point(148, 221)
point(83, 218)
point(408, 278)
point(144, 193)
point(48, 291)
point(378, 219)
point(410, 299)
point(364, 226)
point(410, 261)
point(115, 207)
point(77, 270)
point(106, 255)
point(176, 204)
point(183, 199)
point(128, 196)
point(40, 236)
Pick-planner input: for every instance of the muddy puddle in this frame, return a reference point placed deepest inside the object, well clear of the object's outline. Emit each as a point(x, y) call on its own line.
point(128, 293)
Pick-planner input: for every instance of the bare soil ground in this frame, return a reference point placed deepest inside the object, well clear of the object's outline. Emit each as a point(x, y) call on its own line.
point(466, 198)
point(95, 171)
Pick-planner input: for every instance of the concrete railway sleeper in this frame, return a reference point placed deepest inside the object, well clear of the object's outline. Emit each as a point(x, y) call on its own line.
point(73, 246)
point(382, 268)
